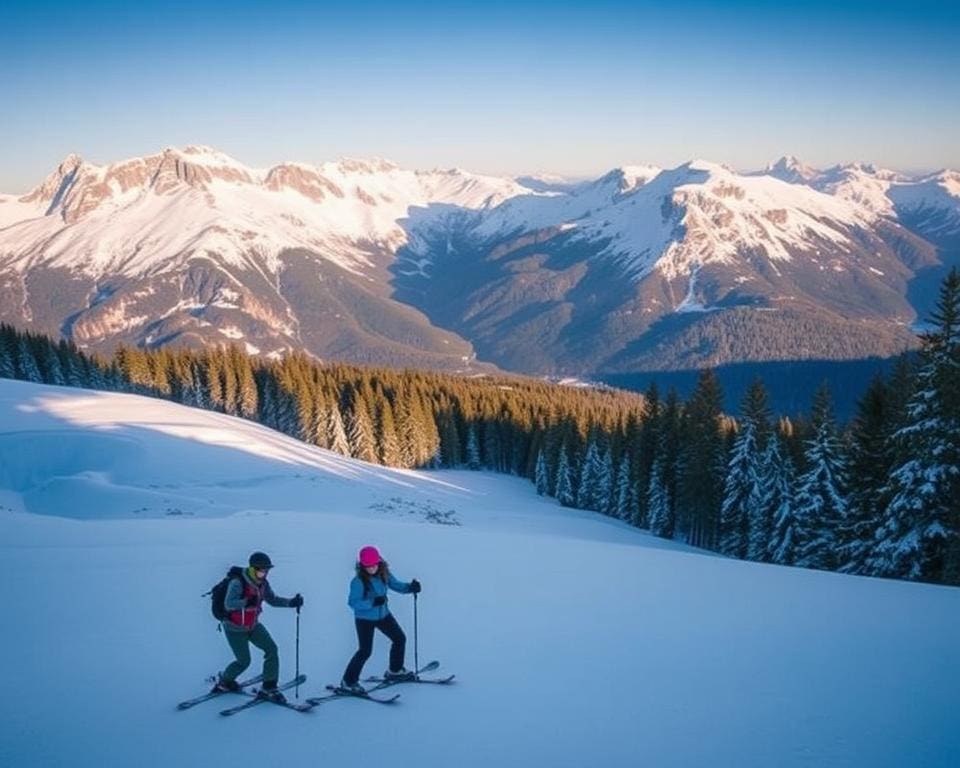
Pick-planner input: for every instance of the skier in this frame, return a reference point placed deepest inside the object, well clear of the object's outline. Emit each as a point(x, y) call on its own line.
point(243, 603)
point(368, 599)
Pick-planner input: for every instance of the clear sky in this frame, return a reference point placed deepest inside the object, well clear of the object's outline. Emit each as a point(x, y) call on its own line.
point(497, 87)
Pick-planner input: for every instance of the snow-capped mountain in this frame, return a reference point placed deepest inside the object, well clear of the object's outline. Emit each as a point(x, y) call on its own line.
point(191, 245)
point(673, 269)
point(928, 204)
point(643, 267)
point(152, 214)
point(790, 169)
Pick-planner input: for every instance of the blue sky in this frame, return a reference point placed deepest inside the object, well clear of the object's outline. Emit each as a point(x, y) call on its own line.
point(493, 87)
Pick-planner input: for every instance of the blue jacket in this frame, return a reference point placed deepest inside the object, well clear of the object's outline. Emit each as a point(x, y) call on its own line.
point(363, 607)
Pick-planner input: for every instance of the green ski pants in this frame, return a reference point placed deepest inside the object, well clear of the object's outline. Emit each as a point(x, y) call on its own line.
point(240, 645)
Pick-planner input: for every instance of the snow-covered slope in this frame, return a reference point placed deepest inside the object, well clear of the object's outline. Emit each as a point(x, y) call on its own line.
point(576, 641)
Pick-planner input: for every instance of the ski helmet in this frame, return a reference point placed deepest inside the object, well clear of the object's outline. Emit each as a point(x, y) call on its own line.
point(369, 556)
point(260, 560)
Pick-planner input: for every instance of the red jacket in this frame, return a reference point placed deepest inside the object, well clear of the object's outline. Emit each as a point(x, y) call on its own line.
point(240, 615)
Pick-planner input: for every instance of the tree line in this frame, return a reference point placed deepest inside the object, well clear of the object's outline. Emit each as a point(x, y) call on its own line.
point(879, 496)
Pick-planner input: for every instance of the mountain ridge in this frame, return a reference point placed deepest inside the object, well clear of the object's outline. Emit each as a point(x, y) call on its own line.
point(192, 246)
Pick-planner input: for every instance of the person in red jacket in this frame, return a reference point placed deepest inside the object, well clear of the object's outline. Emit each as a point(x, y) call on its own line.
point(243, 603)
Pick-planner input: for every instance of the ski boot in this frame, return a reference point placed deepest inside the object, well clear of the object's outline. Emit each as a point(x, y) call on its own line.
point(269, 692)
point(400, 675)
point(355, 688)
point(225, 686)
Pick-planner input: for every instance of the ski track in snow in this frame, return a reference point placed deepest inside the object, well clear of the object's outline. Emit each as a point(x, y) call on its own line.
point(576, 640)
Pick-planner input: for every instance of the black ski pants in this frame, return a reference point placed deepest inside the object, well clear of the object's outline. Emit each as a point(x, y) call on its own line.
point(388, 625)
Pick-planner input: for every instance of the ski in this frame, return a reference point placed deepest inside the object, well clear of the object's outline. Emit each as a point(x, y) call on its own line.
point(381, 683)
point(433, 665)
point(340, 693)
point(254, 699)
point(213, 694)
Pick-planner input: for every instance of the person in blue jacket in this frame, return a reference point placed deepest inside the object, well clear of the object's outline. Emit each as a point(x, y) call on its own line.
point(368, 599)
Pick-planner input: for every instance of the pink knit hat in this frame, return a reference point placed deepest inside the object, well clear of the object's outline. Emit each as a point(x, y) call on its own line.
point(369, 556)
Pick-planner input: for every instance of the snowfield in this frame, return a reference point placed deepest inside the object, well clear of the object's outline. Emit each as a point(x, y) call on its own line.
point(576, 640)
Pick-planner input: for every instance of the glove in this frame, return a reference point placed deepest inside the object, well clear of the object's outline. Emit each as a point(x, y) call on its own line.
point(415, 587)
point(251, 601)
point(379, 600)
point(296, 601)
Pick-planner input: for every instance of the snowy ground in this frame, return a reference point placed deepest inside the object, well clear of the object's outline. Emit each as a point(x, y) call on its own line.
point(576, 641)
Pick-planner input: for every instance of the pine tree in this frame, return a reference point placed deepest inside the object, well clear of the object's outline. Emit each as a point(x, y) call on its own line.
point(158, 381)
point(669, 450)
point(214, 382)
point(27, 368)
point(920, 537)
point(228, 383)
point(492, 458)
point(542, 480)
point(702, 465)
point(473, 447)
point(54, 370)
point(605, 484)
point(306, 415)
point(658, 503)
point(755, 409)
point(449, 439)
point(96, 375)
point(409, 432)
point(8, 341)
point(588, 492)
point(426, 432)
point(623, 492)
point(389, 449)
point(336, 434)
point(360, 434)
point(762, 513)
point(778, 507)
point(821, 505)
point(742, 493)
point(72, 367)
point(247, 400)
point(647, 442)
point(566, 494)
point(871, 464)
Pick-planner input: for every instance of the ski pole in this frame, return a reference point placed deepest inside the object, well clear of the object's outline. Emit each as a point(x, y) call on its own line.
point(416, 640)
point(298, 651)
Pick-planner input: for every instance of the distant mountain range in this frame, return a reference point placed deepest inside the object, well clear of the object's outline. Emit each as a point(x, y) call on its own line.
point(641, 269)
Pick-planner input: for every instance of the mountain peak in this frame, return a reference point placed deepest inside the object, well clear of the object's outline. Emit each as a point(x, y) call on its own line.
point(708, 166)
point(57, 182)
point(200, 149)
point(368, 166)
point(865, 169)
point(791, 169)
point(71, 161)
